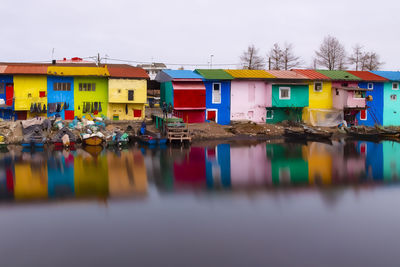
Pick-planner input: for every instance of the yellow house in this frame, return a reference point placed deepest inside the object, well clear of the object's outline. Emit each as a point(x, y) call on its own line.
point(126, 174)
point(127, 92)
point(320, 97)
point(30, 181)
point(30, 89)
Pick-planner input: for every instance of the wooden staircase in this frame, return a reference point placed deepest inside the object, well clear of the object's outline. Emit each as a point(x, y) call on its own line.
point(178, 132)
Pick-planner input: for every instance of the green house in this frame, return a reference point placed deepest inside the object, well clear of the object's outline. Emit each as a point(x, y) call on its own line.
point(289, 95)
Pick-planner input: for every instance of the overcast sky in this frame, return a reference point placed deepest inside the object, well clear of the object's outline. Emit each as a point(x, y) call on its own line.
point(189, 31)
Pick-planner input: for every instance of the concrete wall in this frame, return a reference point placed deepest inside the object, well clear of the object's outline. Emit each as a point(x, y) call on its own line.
point(26, 92)
point(249, 99)
point(99, 95)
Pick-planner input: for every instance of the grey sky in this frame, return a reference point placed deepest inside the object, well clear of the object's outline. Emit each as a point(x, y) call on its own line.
point(179, 31)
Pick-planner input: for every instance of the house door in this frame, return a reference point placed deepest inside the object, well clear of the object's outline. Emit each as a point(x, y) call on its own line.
point(21, 115)
point(212, 115)
point(9, 94)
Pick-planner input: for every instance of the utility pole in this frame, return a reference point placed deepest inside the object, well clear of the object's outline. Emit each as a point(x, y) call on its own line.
point(211, 57)
point(269, 63)
point(98, 59)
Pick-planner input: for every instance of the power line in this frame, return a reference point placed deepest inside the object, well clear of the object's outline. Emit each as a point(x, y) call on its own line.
point(175, 64)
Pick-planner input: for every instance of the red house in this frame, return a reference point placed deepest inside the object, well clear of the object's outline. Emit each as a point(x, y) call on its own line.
point(185, 91)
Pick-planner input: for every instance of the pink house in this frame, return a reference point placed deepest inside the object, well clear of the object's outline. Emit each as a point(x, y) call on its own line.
point(251, 93)
point(346, 95)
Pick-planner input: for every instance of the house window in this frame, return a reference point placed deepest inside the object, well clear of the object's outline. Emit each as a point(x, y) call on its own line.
point(216, 93)
point(62, 87)
point(1, 88)
point(359, 94)
point(87, 87)
point(270, 114)
point(130, 95)
point(370, 86)
point(345, 84)
point(337, 92)
point(363, 115)
point(393, 97)
point(318, 87)
point(395, 86)
point(284, 92)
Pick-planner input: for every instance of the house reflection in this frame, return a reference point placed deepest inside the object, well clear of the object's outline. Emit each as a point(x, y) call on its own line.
point(60, 170)
point(218, 166)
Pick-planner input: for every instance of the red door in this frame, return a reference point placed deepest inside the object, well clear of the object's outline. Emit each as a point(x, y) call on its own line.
point(69, 114)
point(211, 114)
point(9, 94)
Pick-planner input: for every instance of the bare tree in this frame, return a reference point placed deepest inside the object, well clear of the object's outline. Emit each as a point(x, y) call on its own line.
point(331, 54)
point(289, 60)
point(357, 56)
point(250, 59)
point(371, 61)
point(275, 57)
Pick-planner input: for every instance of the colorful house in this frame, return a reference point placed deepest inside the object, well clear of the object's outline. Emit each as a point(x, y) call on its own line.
point(250, 95)
point(90, 89)
point(389, 98)
point(6, 95)
point(127, 92)
point(185, 91)
point(30, 89)
point(289, 96)
point(346, 95)
point(319, 111)
point(218, 95)
point(60, 97)
point(373, 114)
point(60, 171)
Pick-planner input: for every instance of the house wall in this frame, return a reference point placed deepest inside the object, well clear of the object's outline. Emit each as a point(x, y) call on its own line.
point(249, 100)
point(341, 100)
point(391, 108)
point(375, 107)
point(166, 93)
point(298, 96)
point(282, 114)
point(119, 105)
point(224, 108)
point(125, 111)
point(59, 96)
point(321, 99)
point(118, 90)
point(353, 102)
point(100, 95)
point(26, 92)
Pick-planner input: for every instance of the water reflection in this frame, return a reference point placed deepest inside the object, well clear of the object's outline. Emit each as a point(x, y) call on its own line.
point(96, 173)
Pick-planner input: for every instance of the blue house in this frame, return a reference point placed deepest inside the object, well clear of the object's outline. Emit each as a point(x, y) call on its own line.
point(7, 95)
point(390, 97)
point(218, 95)
point(60, 96)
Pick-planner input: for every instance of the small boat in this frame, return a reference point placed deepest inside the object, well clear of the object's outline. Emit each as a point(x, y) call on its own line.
point(295, 134)
point(118, 139)
point(386, 133)
point(363, 133)
point(64, 138)
point(95, 139)
point(146, 139)
point(317, 134)
point(34, 137)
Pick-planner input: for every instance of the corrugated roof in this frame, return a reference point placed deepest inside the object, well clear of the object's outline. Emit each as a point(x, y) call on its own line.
point(214, 74)
point(250, 74)
point(286, 74)
point(26, 69)
point(312, 74)
point(127, 71)
point(339, 75)
point(2, 68)
point(390, 75)
point(77, 71)
point(367, 76)
point(182, 74)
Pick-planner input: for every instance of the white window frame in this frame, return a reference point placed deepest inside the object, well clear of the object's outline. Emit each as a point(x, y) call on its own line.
point(216, 113)
point(395, 88)
point(366, 115)
point(322, 86)
point(272, 114)
point(395, 97)
point(370, 86)
point(212, 93)
point(284, 88)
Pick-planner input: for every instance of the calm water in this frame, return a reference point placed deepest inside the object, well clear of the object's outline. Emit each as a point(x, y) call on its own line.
point(257, 204)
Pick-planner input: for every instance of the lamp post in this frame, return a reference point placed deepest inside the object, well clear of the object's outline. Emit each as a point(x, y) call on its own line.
point(211, 58)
